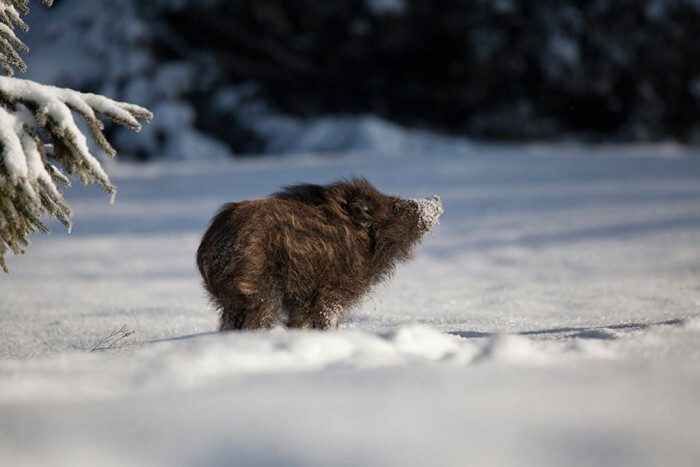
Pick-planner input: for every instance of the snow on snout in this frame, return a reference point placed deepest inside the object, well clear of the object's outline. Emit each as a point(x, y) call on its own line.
point(429, 210)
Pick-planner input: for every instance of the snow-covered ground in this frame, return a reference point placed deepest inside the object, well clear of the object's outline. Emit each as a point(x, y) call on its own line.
point(552, 319)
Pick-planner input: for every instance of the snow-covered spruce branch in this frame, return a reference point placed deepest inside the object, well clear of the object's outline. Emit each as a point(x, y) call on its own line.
point(36, 128)
point(10, 11)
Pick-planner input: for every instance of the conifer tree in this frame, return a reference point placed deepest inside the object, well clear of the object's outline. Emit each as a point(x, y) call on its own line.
point(40, 142)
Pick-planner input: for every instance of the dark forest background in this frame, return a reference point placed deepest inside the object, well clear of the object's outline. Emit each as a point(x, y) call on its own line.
point(498, 69)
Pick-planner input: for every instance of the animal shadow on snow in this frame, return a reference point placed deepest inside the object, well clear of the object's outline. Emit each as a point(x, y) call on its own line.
point(184, 338)
point(609, 332)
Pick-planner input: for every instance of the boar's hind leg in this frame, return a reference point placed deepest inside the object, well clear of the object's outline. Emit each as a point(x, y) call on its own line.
point(232, 318)
point(251, 313)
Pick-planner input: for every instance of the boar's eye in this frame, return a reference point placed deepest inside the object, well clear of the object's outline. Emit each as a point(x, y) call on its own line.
point(400, 207)
point(360, 211)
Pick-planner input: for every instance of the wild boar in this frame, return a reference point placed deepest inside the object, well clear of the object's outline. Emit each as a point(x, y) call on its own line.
point(304, 256)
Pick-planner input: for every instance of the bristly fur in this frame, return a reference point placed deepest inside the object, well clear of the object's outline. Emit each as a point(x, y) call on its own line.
point(306, 254)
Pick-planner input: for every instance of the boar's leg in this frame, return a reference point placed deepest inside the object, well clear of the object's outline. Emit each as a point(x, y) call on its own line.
point(321, 314)
point(232, 319)
point(251, 313)
point(329, 317)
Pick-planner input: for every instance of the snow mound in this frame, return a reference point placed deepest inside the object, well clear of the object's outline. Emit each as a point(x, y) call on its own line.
point(209, 359)
point(513, 350)
point(367, 133)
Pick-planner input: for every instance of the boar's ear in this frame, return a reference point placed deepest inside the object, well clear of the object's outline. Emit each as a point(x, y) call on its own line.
point(360, 211)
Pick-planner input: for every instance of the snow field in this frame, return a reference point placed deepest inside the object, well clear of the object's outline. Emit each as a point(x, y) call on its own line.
point(551, 318)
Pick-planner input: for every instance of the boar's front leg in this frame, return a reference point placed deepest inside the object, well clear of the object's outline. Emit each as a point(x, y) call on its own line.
point(328, 317)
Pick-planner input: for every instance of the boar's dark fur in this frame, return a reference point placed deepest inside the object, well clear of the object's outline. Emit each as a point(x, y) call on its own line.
point(305, 255)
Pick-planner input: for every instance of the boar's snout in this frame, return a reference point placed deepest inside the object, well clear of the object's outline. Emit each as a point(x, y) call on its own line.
point(429, 210)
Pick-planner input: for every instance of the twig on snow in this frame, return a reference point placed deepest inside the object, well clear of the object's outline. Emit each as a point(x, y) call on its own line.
point(110, 341)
